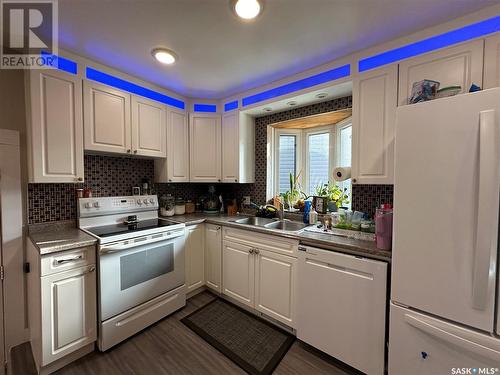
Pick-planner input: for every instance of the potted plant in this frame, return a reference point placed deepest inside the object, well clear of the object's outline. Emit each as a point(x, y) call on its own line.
point(291, 197)
point(337, 196)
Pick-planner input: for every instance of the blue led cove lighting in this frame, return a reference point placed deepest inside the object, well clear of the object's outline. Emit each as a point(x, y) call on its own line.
point(230, 106)
point(119, 83)
point(449, 38)
point(62, 63)
point(205, 108)
point(330, 75)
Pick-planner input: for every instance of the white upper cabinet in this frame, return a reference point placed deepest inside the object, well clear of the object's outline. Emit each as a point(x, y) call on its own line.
point(149, 120)
point(106, 119)
point(374, 101)
point(55, 127)
point(175, 168)
point(492, 62)
point(238, 148)
point(117, 122)
point(205, 147)
point(461, 65)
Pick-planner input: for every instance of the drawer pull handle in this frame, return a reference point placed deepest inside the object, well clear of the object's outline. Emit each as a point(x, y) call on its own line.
point(66, 260)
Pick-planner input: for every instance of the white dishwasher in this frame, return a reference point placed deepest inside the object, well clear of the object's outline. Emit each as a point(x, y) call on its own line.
point(342, 307)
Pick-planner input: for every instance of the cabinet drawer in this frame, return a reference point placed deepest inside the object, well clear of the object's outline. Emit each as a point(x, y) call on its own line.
point(262, 241)
point(67, 260)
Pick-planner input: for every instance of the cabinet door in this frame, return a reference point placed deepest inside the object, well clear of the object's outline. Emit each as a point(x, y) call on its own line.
point(213, 256)
point(205, 147)
point(55, 127)
point(230, 147)
point(195, 257)
point(492, 61)
point(455, 66)
point(149, 119)
point(275, 280)
point(238, 267)
point(175, 168)
point(68, 312)
point(106, 119)
point(374, 100)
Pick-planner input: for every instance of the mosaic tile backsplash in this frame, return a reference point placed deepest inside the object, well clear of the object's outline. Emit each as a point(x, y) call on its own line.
point(114, 176)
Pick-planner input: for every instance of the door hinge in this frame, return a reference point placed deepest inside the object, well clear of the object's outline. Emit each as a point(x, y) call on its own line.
point(2, 273)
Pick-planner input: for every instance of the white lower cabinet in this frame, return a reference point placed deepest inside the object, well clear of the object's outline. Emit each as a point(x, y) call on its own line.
point(275, 286)
point(213, 257)
point(257, 276)
point(62, 306)
point(238, 272)
point(68, 312)
point(195, 257)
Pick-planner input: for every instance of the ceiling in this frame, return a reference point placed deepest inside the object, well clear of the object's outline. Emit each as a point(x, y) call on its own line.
point(219, 55)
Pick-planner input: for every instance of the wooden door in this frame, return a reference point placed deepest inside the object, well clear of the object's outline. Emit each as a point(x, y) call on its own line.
point(149, 131)
point(205, 147)
point(213, 256)
point(238, 265)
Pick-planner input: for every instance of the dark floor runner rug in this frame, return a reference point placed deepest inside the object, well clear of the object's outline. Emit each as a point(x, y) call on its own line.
point(252, 343)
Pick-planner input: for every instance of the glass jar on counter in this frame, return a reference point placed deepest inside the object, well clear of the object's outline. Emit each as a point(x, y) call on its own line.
point(167, 205)
point(190, 206)
point(180, 206)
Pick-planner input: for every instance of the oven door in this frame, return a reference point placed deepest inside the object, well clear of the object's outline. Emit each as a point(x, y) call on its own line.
point(134, 271)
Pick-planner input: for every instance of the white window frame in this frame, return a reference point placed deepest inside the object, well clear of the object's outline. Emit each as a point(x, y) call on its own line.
point(302, 153)
point(331, 147)
point(276, 160)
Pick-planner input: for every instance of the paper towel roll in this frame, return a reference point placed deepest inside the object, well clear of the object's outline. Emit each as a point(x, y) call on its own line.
point(342, 173)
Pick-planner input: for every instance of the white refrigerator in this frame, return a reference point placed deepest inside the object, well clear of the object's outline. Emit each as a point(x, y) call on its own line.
point(444, 312)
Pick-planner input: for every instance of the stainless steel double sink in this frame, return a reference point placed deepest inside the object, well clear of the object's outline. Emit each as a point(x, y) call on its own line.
point(284, 225)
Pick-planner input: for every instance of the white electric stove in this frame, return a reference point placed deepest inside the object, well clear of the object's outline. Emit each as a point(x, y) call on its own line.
point(140, 263)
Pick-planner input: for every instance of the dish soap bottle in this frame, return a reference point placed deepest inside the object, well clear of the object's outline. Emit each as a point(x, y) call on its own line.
point(313, 216)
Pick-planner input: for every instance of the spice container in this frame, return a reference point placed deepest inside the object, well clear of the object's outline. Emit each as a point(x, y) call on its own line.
point(180, 206)
point(79, 193)
point(190, 207)
point(167, 205)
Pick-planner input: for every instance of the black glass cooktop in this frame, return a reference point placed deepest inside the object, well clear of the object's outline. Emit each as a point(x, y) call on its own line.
point(116, 229)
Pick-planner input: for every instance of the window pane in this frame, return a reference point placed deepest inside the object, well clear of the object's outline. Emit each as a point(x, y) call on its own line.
point(287, 161)
point(319, 145)
point(345, 156)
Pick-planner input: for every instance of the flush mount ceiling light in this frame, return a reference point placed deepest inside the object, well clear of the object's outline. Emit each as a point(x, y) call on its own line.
point(321, 95)
point(165, 56)
point(247, 9)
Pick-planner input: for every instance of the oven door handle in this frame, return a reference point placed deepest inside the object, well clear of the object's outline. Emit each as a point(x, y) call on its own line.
point(124, 245)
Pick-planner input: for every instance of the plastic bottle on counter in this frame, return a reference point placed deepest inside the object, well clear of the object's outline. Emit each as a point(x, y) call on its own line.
point(383, 227)
point(313, 216)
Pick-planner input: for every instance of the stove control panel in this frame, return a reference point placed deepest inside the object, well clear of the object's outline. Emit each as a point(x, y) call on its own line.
point(111, 205)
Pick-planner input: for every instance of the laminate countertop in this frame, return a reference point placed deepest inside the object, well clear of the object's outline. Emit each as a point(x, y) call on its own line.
point(60, 236)
point(330, 242)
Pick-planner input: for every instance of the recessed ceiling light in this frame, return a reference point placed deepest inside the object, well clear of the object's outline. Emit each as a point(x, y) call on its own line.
point(268, 109)
point(247, 9)
point(321, 95)
point(292, 103)
point(163, 55)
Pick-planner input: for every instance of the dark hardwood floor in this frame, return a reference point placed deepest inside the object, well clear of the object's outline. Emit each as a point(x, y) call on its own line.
point(169, 347)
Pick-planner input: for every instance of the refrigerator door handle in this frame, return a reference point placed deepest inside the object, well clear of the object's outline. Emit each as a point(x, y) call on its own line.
point(470, 341)
point(487, 210)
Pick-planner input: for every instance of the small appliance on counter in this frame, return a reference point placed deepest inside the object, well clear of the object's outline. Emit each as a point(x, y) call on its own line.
point(167, 205)
point(211, 202)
